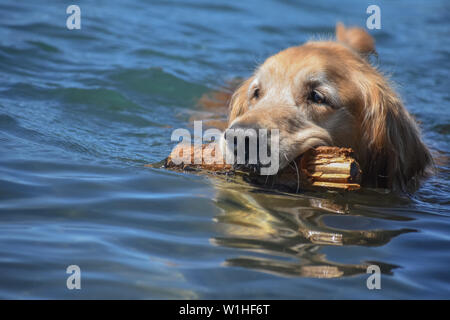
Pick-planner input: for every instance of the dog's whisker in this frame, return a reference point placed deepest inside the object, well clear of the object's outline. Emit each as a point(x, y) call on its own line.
point(296, 170)
point(298, 177)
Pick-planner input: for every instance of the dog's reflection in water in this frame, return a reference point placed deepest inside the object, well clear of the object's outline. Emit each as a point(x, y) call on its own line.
point(288, 232)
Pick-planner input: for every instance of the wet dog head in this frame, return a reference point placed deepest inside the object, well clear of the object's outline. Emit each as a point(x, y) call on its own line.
point(327, 93)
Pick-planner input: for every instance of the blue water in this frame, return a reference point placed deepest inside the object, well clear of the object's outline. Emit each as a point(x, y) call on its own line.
point(82, 112)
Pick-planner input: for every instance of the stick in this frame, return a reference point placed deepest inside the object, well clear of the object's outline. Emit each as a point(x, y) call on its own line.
point(330, 168)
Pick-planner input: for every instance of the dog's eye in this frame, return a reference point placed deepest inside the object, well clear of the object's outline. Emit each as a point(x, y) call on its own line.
point(317, 97)
point(256, 93)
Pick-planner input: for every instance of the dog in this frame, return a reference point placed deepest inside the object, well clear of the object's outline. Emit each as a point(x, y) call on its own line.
point(328, 93)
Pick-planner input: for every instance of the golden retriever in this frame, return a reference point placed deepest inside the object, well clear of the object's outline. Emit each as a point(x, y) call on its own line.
point(328, 93)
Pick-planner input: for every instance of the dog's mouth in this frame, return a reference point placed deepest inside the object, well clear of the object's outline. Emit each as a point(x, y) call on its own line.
point(248, 168)
point(256, 168)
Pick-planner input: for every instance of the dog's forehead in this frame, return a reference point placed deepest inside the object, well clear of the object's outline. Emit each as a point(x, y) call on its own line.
point(312, 60)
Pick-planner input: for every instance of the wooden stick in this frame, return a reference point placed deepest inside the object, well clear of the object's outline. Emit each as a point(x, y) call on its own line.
point(320, 168)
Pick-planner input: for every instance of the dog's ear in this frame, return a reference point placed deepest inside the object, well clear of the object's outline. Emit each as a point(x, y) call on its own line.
point(239, 100)
point(396, 156)
point(357, 39)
